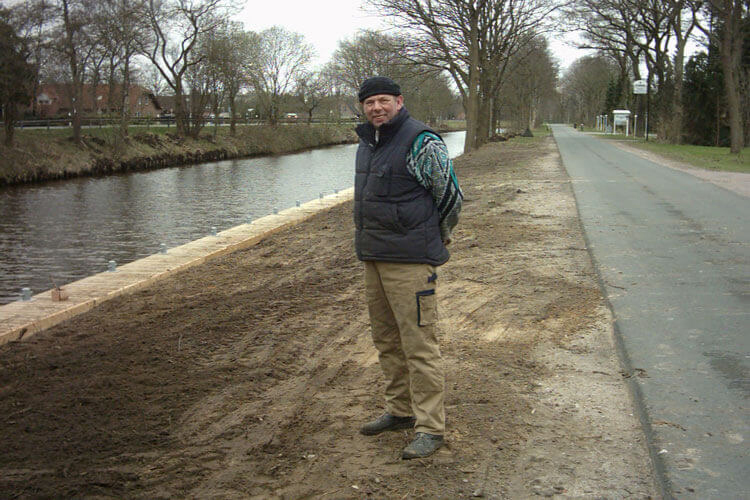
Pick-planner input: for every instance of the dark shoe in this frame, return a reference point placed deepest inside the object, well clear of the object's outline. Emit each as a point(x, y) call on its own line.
point(387, 422)
point(423, 445)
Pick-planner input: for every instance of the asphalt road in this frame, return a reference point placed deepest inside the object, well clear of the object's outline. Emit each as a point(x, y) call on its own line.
point(673, 256)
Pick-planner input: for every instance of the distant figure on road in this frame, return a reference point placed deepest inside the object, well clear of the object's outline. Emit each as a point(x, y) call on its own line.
point(406, 203)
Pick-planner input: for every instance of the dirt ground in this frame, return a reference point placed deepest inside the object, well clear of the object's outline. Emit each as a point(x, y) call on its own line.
point(249, 376)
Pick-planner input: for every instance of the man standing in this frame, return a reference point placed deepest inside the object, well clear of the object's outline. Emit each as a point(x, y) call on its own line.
point(406, 203)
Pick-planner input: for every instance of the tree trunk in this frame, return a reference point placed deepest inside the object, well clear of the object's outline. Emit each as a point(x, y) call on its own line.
point(9, 117)
point(124, 100)
point(77, 103)
point(733, 105)
point(676, 132)
point(679, 66)
point(199, 102)
point(111, 97)
point(731, 51)
point(180, 114)
point(232, 116)
point(471, 104)
point(496, 112)
point(337, 113)
point(95, 79)
point(215, 106)
point(76, 73)
point(483, 121)
point(533, 111)
point(273, 112)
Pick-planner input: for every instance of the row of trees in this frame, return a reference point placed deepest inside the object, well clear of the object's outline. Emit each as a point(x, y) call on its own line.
point(190, 46)
point(648, 39)
point(487, 47)
point(484, 49)
point(492, 53)
point(191, 50)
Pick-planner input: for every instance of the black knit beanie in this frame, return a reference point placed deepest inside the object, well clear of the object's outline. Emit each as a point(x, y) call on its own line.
point(378, 85)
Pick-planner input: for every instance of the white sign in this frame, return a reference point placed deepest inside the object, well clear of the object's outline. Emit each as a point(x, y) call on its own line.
point(621, 120)
point(640, 87)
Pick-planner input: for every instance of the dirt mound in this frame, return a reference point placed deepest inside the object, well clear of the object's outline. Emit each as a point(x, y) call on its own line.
point(153, 140)
point(248, 376)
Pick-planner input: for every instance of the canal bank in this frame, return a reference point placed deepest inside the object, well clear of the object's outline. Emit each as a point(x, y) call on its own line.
point(66, 230)
point(43, 155)
point(248, 375)
point(35, 313)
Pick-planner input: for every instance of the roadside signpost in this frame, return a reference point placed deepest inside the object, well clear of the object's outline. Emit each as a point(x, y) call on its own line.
point(622, 118)
point(641, 87)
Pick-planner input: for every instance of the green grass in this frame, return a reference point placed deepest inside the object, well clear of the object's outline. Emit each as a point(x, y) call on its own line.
point(705, 157)
point(40, 154)
point(542, 131)
point(109, 131)
point(539, 133)
point(452, 125)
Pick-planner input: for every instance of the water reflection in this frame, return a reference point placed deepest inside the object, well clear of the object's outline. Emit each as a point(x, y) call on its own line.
point(67, 230)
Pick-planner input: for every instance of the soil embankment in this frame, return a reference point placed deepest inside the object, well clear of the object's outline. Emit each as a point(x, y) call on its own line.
point(40, 155)
point(248, 376)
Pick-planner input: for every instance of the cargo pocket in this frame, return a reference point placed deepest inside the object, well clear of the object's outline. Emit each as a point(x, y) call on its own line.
point(378, 184)
point(426, 308)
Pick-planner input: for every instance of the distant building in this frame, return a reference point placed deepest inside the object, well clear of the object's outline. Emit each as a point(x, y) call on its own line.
point(56, 99)
point(166, 103)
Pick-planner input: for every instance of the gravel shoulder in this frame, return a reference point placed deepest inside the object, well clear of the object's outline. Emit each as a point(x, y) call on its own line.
point(248, 376)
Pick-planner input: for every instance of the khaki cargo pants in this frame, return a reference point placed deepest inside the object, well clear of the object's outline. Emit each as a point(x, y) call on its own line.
point(403, 314)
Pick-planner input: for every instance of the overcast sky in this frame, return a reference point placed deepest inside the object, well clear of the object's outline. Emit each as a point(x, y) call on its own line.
point(325, 22)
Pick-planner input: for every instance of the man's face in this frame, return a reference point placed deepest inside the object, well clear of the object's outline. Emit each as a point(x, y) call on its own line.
point(381, 108)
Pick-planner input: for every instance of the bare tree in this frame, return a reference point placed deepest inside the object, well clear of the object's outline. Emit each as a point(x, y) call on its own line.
point(370, 54)
point(531, 82)
point(151, 77)
point(122, 30)
point(76, 43)
point(446, 34)
point(664, 24)
point(32, 20)
point(202, 91)
point(430, 97)
point(283, 59)
point(585, 88)
point(683, 16)
point(653, 31)
point(731, 14)
point(608, 27)
point(17, 75)
point(311, 89)
point(472, 40)
point(334, 88)
point(367, 54)
point(176, 26)
point(232, 55)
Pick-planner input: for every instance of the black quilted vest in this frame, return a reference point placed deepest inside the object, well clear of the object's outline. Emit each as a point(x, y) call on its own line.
point(395, 217)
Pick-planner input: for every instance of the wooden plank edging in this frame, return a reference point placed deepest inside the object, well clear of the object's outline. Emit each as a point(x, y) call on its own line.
point(21, 319)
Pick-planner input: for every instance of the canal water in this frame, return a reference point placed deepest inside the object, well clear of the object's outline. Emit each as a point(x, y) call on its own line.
point(63, 231)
